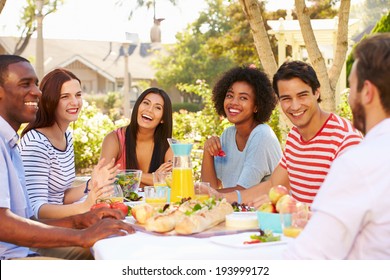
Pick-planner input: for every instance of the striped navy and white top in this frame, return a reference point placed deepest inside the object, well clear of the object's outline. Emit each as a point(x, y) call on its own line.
point(49, 171)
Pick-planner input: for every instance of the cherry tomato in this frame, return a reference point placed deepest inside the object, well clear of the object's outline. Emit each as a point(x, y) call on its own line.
point(221, 153)
point(121, 206)
point(252, 241)
point(100, 205)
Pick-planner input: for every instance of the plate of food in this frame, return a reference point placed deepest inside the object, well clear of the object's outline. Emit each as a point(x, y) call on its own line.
point(249, 240)
point(187, 218)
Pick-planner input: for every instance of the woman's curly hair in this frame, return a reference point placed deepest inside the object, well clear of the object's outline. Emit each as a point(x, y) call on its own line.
point(265, 97)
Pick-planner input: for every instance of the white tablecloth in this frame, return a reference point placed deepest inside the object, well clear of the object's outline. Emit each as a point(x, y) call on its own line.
point(144, 246)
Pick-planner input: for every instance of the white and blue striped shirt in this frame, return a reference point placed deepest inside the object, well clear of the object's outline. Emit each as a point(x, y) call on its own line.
point(49, 171)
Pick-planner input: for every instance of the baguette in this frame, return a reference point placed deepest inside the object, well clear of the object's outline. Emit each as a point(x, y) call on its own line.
point(164, 222)
point(142, 212)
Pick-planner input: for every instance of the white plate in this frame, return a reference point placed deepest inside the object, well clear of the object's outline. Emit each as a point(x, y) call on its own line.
point(133, 203)
point(237, 240)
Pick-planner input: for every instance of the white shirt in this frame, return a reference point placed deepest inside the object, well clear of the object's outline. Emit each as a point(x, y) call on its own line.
point(351, 211)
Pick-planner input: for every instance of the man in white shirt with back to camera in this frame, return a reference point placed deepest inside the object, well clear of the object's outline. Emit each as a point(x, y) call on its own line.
point(351, 217)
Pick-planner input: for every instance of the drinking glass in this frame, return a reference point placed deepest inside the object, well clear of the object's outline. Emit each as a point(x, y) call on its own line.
point(294, 218)
point(117, 194)
point(156, 196)
point(202, 191)
point(163, 179)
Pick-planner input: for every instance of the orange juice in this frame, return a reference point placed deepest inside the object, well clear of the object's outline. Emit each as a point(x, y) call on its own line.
point(115, 199)
point(201, 197)
point(292, 231)
point(156, 201)
point(182, 184)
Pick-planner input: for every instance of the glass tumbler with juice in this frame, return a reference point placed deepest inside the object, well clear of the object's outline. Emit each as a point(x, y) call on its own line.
point(294, 217)
point(201, 191)
point(156, 196)
point(163, 179)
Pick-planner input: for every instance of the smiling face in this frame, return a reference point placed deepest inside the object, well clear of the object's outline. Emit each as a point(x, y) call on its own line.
point(298, 102)
point(150, 111)
point(70, 102)
point(19, 95)
point(239, 103)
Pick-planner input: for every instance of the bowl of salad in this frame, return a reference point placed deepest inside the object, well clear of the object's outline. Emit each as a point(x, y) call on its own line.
point(129, 180)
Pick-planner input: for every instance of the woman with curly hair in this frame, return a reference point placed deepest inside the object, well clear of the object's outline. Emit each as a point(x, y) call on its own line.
point(247, 152)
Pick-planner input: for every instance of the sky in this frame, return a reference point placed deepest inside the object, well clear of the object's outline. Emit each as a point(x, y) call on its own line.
point(104, 20)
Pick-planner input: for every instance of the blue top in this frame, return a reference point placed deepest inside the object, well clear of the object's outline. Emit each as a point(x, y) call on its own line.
point(254, 164)
point(13, 193)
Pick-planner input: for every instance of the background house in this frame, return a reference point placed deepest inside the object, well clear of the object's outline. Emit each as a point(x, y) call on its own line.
point(99, 64)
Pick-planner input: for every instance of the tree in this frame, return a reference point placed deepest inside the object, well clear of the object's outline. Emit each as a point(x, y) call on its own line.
point(2, 4)
point(194, 56)
point(328, 80)
point(382, 26)
point(28, 25)
point(144, 3)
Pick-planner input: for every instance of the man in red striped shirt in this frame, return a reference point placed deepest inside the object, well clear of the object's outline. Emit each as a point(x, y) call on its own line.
point(315, 140)
point(351, 217)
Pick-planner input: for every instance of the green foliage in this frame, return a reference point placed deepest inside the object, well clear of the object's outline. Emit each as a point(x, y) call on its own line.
point(274, 124)
point(196, 127)
point(28, 21)
point(192, 58)
point(190, 107)
point(382, 26)
point(343, 109)
point(322, 9)
point(110, 103)
point(88, 133)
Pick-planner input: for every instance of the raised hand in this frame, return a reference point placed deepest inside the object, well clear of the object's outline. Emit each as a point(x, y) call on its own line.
point(212, 146)
point(258, 201)
point(102, 179)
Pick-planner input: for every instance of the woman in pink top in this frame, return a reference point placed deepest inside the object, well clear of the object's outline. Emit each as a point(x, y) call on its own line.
point(143, 143)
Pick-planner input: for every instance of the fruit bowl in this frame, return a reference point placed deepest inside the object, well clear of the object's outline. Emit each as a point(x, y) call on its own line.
point(269, 221)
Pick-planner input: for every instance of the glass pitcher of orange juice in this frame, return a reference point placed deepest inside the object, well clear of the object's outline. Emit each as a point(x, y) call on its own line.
point(182, 179)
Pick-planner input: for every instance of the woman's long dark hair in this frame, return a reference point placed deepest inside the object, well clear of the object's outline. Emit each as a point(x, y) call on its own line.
point(162, 132)
point(50, 86)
